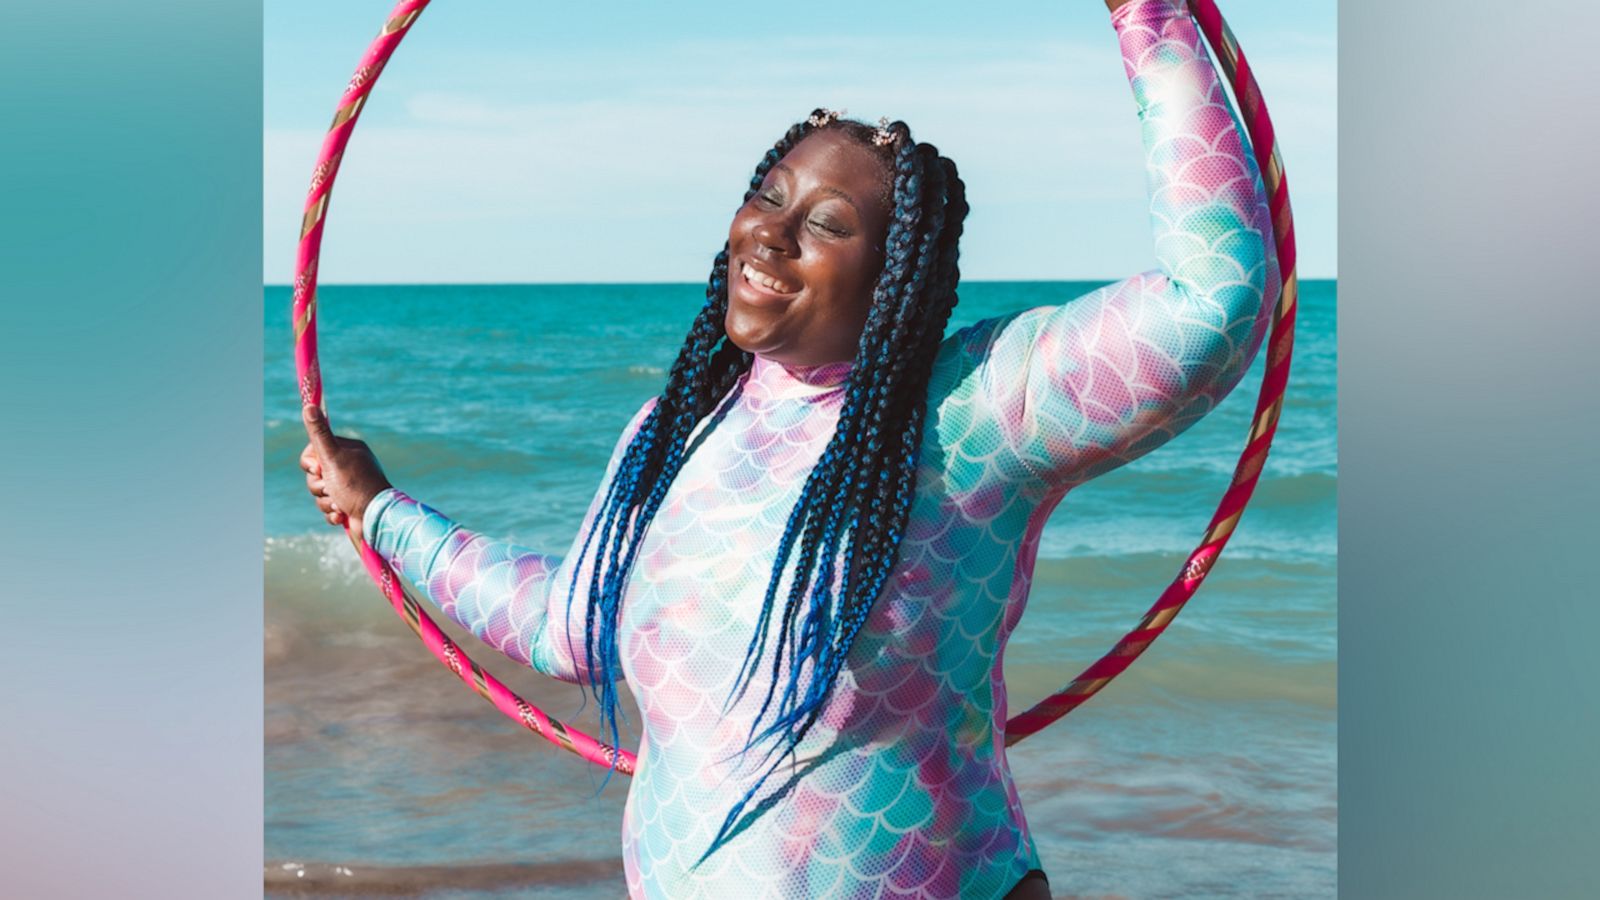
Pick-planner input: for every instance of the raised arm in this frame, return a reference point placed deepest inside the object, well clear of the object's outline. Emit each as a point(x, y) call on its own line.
point(510, 597)
point(1080, 389)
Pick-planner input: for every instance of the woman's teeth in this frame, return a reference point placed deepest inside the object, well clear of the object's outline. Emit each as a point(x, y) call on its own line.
point(768, 282)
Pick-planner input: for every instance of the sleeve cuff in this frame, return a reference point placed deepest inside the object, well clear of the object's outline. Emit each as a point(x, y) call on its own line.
point(374, 512)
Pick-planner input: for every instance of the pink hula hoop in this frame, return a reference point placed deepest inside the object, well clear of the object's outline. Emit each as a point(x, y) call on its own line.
point(310, 380)
point(1247, 473)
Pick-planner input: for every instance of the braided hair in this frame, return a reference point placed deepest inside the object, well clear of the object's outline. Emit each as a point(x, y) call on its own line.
point(853, 508)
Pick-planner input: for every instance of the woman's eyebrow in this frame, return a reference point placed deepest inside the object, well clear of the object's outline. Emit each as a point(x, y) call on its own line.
point(828, 189)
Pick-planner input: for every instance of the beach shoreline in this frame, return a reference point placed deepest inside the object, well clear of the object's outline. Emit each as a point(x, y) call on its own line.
point(290, 878)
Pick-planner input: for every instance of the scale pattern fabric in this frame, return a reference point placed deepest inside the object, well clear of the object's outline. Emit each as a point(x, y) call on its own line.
point(902, 789)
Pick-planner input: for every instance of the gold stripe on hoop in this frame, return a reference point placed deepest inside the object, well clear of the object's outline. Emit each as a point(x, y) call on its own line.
point(1222, 529)
point(561, 734)
point(399, 22)
point(1159, 618)
point(1268, 419)
point(345, 113)
point(1230, 52)
point(1290, 295)
point(313, 216)
point(303, 321)
point(1084, 688)
point(1274, 171)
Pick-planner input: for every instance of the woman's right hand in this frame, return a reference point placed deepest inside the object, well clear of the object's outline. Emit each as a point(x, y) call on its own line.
point(341, 473)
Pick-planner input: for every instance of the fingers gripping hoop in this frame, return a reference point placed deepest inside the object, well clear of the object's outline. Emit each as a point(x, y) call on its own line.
point(1263, 426)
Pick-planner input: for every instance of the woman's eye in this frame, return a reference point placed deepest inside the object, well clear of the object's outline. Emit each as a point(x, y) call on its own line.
point(829, 227)
point(772, 197)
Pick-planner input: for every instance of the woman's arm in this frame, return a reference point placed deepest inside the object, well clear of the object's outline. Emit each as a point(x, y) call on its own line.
point(511, 598)
point(1080, 389)
point(499, 591)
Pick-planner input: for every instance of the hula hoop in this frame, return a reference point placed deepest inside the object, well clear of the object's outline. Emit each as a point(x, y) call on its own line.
point(1247, 472)
point(310, 380)
point(1263, 425)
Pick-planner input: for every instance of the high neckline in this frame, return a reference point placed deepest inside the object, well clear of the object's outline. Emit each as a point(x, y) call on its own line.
point(783, 381)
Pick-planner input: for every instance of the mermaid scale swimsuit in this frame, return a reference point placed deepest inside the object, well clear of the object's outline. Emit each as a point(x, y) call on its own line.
point(902, 789)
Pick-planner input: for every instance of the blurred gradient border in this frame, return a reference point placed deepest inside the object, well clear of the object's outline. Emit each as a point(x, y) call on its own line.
point(131, 733)
point(1469, 699)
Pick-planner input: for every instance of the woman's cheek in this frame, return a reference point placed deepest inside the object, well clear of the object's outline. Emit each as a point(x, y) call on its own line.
point(868, 264)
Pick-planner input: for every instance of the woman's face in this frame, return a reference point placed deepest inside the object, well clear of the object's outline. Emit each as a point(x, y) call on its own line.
point(805, 251)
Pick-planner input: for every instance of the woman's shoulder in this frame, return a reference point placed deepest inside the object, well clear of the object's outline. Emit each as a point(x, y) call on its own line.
point(966, 355)
point(975, 397)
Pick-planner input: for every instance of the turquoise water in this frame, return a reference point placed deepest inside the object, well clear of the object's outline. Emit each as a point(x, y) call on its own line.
point(1209, 768)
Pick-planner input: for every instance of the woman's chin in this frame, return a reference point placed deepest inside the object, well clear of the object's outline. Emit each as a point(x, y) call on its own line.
point(749, 336)
point(768, 349)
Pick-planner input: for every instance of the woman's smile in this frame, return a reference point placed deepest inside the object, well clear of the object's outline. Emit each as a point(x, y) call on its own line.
point(763, 286)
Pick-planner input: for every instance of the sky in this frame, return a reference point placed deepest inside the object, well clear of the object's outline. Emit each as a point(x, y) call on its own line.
point(524, 143)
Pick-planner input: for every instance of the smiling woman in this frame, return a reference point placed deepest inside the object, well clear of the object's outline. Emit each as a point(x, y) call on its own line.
point(809, 550)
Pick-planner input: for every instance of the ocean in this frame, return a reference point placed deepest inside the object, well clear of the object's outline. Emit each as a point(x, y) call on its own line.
point(1209, 769)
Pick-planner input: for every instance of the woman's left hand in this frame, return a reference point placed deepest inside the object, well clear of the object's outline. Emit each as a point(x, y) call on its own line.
point(342, 474)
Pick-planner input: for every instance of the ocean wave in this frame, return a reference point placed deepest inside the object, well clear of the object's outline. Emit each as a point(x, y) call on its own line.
point(320, 556)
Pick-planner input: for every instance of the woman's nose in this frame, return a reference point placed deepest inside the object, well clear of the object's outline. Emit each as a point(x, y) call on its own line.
point(776, 235)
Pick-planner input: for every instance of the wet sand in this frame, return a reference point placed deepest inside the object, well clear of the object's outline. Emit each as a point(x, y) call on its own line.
point(297, 879)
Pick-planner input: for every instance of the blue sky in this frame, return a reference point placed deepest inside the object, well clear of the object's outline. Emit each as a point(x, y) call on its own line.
point(521, 142)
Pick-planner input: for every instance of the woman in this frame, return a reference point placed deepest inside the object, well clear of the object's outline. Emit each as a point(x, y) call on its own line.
point(819, 446)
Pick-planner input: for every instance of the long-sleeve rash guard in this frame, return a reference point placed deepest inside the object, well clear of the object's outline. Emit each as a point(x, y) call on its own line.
point(902, 789)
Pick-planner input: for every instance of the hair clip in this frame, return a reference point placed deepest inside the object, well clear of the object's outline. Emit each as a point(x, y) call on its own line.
point(820, 119)
point(884, 137)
